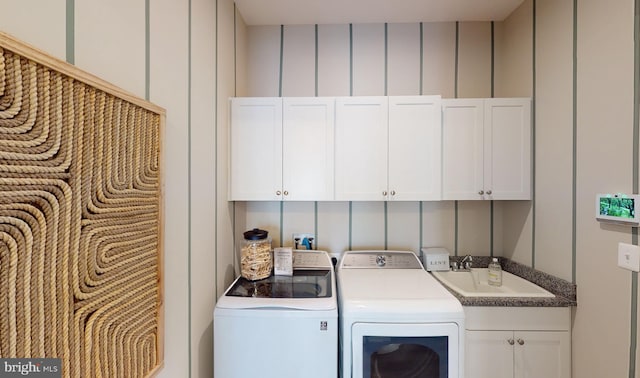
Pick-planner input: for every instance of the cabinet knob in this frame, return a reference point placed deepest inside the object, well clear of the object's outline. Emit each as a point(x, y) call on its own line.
point(489, 192)
point(510, 341)
point(520, 342)
point(384, 193)
point(393, 192)
point(481, 192)
point(286, 193)
point(278, 193)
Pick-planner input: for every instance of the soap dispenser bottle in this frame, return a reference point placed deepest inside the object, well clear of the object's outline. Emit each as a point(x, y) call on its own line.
point(495, 273)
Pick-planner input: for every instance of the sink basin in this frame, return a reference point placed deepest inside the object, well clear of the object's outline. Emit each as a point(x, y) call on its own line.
point(475, 283)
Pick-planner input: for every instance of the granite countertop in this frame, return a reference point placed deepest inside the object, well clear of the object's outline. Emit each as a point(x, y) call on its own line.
point(565, 292)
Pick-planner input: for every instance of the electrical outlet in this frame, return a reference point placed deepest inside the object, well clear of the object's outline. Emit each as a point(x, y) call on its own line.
point(299, 241)
point(629, 257)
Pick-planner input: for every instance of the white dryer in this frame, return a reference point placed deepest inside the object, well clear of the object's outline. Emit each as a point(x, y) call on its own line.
point(396, 320)
point(280, 326)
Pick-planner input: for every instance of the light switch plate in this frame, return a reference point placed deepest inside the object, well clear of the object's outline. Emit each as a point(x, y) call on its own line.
point(629, 257)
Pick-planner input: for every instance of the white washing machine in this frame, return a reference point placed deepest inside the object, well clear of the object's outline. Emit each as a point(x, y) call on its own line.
point(396, 320)
point(280, 326)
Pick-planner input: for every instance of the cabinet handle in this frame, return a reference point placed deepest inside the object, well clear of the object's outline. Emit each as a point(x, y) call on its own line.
point(393, 192)
point(520, 341)
point(489, 192)
point(278, 193)
point(384, 193)
point(510, 341)
point(286, 193)
point(481, 192)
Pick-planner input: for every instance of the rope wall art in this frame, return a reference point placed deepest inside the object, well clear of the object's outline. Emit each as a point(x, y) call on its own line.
point(80, 219)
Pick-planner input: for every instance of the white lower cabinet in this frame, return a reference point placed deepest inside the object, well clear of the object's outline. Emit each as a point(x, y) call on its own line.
point(520, 342)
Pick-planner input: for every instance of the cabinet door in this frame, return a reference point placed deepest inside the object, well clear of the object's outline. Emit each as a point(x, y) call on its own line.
point(307, 145)
point(489, 354)
point(361, 148)
point(542, 354)
point(255, 149)
point(415, 148)
point(507, 159)
point(462, 149)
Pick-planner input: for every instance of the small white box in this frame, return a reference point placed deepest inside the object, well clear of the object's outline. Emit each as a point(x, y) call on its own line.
point(435, 258)
point(283, 261)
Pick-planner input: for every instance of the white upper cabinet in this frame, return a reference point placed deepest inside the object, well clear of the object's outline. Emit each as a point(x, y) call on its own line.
point(415, 148)
point(281, 149)
point(255, 149)
point(307, 148)
point(388, 148)
point(361, 148)
point(486, 149)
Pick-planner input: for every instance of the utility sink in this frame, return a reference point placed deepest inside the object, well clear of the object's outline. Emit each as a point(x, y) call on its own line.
point(474, 283)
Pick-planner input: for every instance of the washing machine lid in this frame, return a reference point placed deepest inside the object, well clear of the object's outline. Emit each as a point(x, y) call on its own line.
point(303, 284)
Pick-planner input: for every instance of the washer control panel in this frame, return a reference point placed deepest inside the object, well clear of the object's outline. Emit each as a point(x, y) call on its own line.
point(380, 260)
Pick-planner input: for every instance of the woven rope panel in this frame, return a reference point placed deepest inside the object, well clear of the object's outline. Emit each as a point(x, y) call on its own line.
point(80, 219)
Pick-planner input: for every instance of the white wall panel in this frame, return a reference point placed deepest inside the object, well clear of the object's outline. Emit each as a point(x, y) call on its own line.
point(241, 76)
point(169, 82)
point(554, 125)
point(299, 61)
point(439, 58)
point(438, 225)
point(474, 228)
point(38, 23)
point(110, 41)
point(474, 59)
point(265, 216)
point(263, 60)
point(403, 225)
point(368, 60)
point(298, 217)
point(226, 81)
point(368, 225)
point(333, 60)
point(605, 109)
point(203, 183)
point(403, 71)
point(333, 226)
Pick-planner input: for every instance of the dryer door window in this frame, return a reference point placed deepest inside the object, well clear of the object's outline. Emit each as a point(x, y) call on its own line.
point(405, 350)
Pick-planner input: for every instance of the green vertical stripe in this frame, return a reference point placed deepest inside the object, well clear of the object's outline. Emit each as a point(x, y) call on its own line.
point(574, 142)
point(493, 85)
point(350, 59)
point(457, 48)
point(421, 59)
point(316, 61)
point(386, 58)
point(420, 204)
point(350, 94)
point(455, 91)
point(280, 95)
point(281, 60)
point(189, 182)
point(147, 49)
point(70, 31)
point(533, 142)
point(636, 154)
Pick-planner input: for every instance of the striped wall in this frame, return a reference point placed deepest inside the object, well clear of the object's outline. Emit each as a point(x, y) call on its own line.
point(581, 78)
point(575, 56)
point(166, 51)
point(452, 59)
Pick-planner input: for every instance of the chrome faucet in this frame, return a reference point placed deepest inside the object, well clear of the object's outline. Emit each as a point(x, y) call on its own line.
point(467, 262)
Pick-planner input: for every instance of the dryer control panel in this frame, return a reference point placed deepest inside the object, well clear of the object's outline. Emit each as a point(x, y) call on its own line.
point(380, 260)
